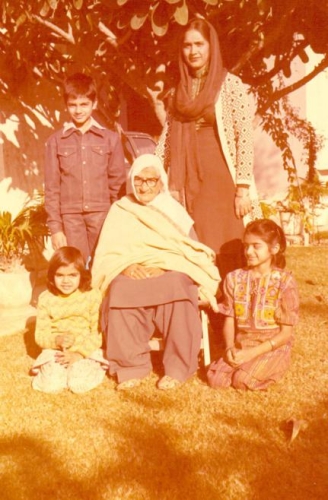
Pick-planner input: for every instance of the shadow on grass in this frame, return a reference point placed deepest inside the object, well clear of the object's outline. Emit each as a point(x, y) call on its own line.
point(32, 349)
point(314, 309)
point(307, 457)
point(148, 464)
point(31, 471)
point(297, 469)
point(216, 350)
point(153, 462)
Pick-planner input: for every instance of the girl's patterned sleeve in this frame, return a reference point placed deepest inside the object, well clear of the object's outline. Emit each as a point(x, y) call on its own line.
point(226, 307)
point(90, 339)
point(43, 332)
point(287, 311)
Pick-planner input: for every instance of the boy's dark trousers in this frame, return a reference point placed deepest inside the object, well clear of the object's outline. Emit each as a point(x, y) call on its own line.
point(82, 231)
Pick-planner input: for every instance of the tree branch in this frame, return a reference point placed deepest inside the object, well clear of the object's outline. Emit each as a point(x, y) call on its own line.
point(294, 86)
point(269, 39)
point(158, 104)
point(58, 31)
point(280, 61)
point(110, 37)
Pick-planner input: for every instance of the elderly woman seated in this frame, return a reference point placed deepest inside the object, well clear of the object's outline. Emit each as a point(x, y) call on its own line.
point(153, 273)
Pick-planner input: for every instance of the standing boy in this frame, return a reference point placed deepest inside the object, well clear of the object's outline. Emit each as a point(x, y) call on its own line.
point(84, 171)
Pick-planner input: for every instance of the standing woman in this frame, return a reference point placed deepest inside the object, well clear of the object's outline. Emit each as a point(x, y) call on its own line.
point(207, 145)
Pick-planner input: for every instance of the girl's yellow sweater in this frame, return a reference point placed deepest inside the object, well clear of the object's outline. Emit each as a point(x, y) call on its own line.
point(76, 314)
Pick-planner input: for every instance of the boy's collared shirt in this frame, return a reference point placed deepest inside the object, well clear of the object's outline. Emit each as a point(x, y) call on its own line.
point(92, 123)
point(83, 172)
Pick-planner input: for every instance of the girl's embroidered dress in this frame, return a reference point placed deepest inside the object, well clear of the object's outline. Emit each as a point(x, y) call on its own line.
point(259, 306)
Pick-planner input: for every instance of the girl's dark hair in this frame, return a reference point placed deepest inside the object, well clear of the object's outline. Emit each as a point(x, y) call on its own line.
point(65, 256)
point(80, 85)
point(199, 25)
point(272, 234)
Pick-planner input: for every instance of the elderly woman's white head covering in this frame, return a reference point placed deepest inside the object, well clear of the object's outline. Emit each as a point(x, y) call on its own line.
point(145, 161)
point(163, 201)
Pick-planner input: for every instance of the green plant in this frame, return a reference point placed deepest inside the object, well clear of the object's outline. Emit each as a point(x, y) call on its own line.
point(293, 205)
point(24, 235)
point(305, 198)
point(268, 209)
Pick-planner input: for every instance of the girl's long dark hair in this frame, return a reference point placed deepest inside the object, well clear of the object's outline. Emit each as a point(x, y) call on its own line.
point(65, 256)
point(272, 234)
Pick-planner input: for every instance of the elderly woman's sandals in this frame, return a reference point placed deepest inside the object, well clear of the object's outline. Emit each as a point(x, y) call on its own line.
point(128, 384)
point(166, 383)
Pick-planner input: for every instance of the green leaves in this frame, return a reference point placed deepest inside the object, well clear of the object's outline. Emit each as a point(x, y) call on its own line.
point(12, 238)
point(263, 6)
point(46, 38)
point(181, 14)
point(21, 19)
point(159, 19)
point(139, 15)
point(22, 233)
point(53, 4)
point(78, 4)
point(165, 11)
point(45, 9)
point(137, 21)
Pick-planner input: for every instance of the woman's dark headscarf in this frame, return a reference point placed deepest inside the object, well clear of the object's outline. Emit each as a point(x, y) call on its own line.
point(185, 170)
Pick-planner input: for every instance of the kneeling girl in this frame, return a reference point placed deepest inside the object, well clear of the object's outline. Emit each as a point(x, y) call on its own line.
point(260, 306)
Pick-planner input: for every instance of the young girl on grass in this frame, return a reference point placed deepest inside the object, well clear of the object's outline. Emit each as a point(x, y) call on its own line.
point(260, 306)
point(67, 328)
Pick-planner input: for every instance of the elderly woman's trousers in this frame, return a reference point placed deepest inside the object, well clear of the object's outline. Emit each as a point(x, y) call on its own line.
point(134, 309)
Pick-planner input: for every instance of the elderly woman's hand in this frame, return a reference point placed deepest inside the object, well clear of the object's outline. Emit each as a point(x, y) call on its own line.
point(205, 298)
point(139, 272)
point(153, 272)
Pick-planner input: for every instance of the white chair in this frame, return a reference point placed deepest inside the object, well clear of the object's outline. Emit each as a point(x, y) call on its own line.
point(157, 343)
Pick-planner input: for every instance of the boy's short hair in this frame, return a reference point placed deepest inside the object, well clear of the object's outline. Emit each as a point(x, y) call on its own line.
point(80, 85)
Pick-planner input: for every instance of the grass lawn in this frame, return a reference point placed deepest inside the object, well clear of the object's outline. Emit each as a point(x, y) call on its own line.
point(193, 443)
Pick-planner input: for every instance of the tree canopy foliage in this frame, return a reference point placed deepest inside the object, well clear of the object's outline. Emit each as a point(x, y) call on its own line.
point(132, 44)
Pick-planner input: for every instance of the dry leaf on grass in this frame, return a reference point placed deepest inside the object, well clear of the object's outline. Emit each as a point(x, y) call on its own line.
point(320, 298)
point(294, 426)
